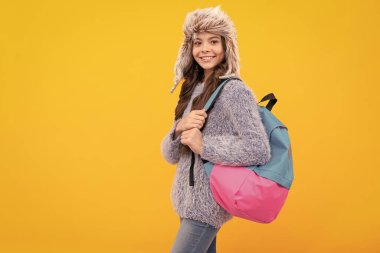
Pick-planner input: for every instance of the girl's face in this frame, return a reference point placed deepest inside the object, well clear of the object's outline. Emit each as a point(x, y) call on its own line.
point(208, 51)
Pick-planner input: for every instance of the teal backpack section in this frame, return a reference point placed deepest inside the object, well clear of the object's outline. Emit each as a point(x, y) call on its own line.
point(280, 167)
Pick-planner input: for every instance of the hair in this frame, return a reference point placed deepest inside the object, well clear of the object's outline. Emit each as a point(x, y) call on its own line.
point(193, 74)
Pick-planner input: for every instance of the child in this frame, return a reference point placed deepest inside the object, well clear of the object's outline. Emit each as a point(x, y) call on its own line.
point(232, 133)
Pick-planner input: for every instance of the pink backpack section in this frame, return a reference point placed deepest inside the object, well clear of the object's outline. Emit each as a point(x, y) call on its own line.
point(242, 193)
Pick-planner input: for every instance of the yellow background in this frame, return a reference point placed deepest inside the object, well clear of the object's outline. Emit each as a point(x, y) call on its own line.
point(85, 103)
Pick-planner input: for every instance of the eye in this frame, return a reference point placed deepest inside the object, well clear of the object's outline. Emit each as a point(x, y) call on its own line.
point(197, 43)
point(214, 41)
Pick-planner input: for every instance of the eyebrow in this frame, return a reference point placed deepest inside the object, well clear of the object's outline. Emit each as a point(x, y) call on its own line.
point(213, 37)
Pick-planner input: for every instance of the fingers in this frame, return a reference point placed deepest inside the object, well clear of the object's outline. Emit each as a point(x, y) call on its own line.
point(195, 119)
point(199, 119)
point(194, 123)
point(189, 132)
point(201, 112)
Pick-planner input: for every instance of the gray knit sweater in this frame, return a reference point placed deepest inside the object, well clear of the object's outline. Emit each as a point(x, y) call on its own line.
point(234, 135)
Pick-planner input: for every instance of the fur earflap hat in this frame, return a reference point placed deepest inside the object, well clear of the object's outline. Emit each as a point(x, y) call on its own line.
point(212, 20)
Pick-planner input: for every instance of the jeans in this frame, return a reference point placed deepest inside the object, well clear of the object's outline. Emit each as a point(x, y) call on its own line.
point(195, 237)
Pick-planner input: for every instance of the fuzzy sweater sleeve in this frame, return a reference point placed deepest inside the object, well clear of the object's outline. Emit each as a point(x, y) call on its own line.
point(249, 145)
point(170, 146)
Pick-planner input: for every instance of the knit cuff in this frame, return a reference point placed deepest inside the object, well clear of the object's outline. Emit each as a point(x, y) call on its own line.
point(170, 146)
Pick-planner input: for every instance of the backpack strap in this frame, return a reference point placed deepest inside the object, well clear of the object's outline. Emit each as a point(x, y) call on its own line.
point(210, 102)
point(272, 101)
point(208, 106)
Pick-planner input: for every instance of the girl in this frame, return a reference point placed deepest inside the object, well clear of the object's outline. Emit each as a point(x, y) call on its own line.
point(231, 134)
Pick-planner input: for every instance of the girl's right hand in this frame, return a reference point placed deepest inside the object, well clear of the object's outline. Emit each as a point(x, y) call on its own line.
point(194, 119)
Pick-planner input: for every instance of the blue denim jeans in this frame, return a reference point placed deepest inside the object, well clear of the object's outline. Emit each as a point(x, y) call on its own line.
point(195, 237)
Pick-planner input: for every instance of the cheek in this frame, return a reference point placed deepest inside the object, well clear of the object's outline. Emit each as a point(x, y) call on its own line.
point(221, 55)
point(194, 52)
point(221, 52)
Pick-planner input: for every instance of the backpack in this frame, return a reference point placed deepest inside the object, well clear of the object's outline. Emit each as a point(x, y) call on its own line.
point(256, 192)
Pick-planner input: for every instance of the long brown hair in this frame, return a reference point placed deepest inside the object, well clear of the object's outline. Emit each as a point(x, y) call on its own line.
point(193, 74)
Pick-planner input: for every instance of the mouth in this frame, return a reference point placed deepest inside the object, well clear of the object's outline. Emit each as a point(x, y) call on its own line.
point(207, 58)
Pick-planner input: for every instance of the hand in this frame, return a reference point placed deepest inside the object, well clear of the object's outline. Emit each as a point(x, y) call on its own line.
point(193, 138)
point(194, 119)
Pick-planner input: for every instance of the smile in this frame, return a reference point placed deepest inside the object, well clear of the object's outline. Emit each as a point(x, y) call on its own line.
point(207, 58)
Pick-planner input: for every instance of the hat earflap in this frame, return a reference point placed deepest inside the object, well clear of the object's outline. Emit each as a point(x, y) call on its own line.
point(183, 60)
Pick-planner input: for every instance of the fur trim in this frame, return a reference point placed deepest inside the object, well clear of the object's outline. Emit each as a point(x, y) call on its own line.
point(212, 20)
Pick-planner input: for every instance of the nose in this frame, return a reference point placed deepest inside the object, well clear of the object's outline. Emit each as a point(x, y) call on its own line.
point(205, 47)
